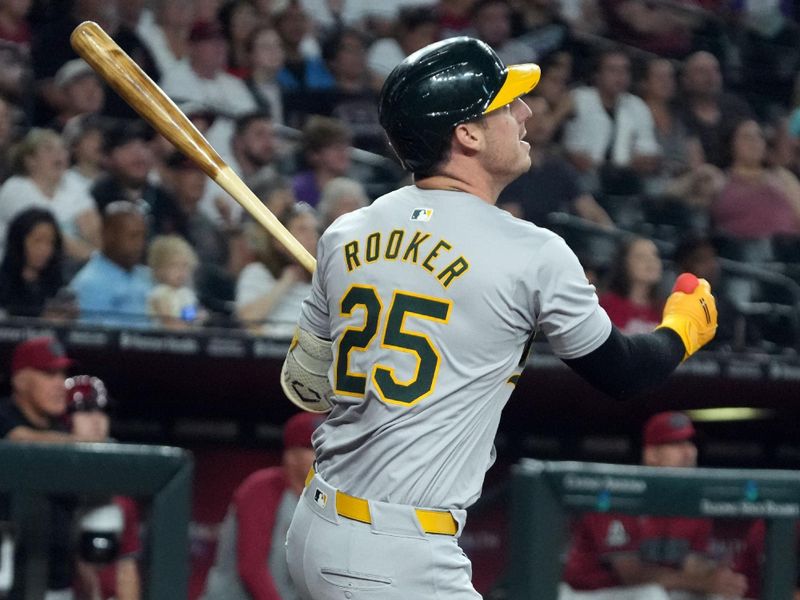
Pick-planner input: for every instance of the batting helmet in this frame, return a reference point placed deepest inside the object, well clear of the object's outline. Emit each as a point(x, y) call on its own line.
point(443, 85)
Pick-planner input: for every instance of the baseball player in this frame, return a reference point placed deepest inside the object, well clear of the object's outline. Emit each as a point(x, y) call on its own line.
point(417, 327)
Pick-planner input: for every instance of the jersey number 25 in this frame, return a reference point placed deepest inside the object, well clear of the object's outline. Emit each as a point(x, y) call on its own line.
point(395, 337)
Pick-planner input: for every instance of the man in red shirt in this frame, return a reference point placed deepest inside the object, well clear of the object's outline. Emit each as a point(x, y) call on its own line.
point(251, 555)
point(623, 557)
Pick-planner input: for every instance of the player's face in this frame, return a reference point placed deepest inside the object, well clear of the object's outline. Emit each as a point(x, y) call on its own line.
point(677, 454)
point(42, 391)
point(506, 152)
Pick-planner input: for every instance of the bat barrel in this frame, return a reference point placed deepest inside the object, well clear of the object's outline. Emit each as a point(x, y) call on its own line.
point(143, 95)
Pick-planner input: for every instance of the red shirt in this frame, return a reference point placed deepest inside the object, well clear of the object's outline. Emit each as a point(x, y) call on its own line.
point(629, 317)
point(597, 537)
point(129, 544)
point(665, 541)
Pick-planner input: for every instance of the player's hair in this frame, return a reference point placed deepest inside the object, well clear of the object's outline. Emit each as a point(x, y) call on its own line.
point(165, 248)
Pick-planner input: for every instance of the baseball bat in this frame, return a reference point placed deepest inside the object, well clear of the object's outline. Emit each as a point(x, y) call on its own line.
point(146, 98)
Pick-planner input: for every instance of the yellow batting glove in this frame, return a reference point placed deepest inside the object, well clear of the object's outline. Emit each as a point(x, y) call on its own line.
point(691, 312)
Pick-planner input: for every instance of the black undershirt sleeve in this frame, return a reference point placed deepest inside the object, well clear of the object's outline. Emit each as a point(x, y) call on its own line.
point(625, 366)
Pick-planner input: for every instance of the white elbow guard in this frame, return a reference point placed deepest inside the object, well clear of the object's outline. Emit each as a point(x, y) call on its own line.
point(304, 376)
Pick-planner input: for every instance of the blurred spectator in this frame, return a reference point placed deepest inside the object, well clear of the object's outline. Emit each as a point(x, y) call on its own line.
point(8, 112)
point(491, 21)
point(769, 52)
point(756, 202)
point(623, 557)
point(40, 162)
point(541, 28)
point(340, 196)
point(699, 255)
point(611, 139)
point(274, 191)
point(251, 554)
point(554, 87)
point(84, 137)
point(80, 89)
point(582, 16)
point(14, 25)
point(112, 288)
point(680, 151)
point(271, 289)
point(705, 107)
point(111, 570)
point(266, 59)
point(301, 72)
point(551, 184)
point(239, 19)
point(204, 79)
point(128, 161)
point(34, 413)
point(172, 302)
point(454, 17)
point(30, 273)
point(51, 49)
point(632, 297)
point(326, 152)
point(253, 147)
point(415, 28)
point(354, 99)
point(167, 36)
point(187, 184)
point(656, 28)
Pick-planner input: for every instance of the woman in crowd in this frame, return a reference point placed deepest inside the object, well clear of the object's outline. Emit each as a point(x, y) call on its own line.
point(167, 36)
point(40, 163)
point(271, 289)
point(30, 274)
point(757, 202)
point(632, 298)
point(239, 19)
point(680, 151)
point(266, 58)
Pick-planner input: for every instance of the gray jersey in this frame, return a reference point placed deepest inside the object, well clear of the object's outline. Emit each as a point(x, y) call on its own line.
point(430, 297)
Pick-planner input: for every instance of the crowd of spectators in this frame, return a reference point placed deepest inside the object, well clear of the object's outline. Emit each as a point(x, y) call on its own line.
point(653, 122)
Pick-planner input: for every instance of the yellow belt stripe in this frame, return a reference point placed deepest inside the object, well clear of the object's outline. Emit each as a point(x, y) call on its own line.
point(357, 509)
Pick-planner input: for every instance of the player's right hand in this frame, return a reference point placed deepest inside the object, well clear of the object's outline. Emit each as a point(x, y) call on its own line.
point(691, 312)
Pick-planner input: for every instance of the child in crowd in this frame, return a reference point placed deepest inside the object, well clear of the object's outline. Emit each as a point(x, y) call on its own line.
point(173, 302)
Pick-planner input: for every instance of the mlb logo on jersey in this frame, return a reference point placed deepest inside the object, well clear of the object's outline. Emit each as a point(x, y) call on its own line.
point(320, 497)
point(421, 214)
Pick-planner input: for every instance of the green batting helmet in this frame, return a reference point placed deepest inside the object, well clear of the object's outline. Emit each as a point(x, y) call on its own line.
point(443, 85)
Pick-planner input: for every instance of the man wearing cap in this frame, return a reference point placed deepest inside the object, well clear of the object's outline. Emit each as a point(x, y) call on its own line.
point(251, 557)
point(34, 414)
point(623, 557)
point(204, 79)
point(81, 91)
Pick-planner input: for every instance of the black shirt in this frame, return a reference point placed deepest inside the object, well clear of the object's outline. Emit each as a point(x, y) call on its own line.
point(60, 563)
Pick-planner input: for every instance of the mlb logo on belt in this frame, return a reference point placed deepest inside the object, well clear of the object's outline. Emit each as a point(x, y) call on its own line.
point(421, 214)
point(320, 497)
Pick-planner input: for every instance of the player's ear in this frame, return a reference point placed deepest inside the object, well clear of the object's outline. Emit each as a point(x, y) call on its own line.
point(469, 135)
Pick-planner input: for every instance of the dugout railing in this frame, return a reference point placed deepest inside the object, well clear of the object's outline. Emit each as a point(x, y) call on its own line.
point(545, 494)
point(30, 473)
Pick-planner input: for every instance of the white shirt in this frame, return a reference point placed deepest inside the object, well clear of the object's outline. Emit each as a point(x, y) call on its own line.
point(384, 55)
point(225, 94)
point(70, 201)
point(591, 130)
point(153, 36)
point(255, 281)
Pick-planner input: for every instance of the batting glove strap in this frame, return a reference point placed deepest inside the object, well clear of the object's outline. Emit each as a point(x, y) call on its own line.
point(693, 316)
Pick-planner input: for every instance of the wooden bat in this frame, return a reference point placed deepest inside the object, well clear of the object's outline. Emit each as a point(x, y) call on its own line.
point(145, 97)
